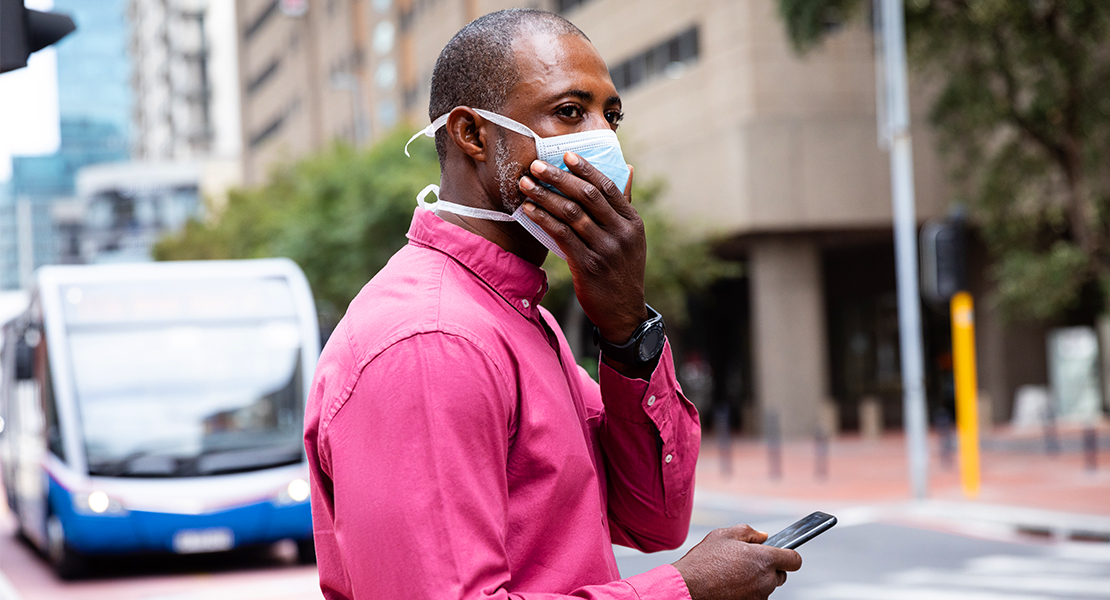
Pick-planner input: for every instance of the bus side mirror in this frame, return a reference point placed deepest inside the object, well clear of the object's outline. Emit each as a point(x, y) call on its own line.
point(25, 355)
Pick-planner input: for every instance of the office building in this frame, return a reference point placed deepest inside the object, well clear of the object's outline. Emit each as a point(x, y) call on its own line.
point(306, 78)
point(122, 209)
point(94, 103)
point(185, 80)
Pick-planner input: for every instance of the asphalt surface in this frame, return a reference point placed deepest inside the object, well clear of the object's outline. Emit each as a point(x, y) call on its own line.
point(951, 558)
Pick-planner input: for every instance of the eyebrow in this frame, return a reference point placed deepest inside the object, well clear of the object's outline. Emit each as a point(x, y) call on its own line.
point(585, 96)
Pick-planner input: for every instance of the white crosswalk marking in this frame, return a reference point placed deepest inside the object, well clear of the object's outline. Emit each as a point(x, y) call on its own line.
point(1068, 571)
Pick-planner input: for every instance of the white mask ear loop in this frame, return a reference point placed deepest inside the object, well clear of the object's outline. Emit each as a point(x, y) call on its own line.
point(506, 122)
point(431, 188)
point(429, 131)
point(458, 209)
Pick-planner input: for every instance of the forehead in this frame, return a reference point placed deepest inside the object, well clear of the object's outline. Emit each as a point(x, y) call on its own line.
point(550, 64)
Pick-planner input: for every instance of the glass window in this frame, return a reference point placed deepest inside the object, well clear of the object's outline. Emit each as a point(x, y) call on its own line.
point(188, 382)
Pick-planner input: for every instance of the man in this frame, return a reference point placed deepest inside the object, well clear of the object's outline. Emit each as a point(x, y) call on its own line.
point(456, 449)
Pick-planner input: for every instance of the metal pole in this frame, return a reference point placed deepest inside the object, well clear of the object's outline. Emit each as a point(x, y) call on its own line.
point(905, 241)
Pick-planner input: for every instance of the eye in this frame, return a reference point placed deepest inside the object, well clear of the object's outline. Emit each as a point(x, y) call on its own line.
point(569, 111)
point(614, 116)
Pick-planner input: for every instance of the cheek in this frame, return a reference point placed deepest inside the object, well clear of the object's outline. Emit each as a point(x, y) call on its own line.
point(522, 151)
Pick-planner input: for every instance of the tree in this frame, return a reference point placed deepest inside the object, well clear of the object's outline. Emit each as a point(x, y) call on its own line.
point(341, 214)
point(1023, 115)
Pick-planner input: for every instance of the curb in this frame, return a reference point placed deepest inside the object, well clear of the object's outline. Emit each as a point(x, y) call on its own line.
point(1013, 523)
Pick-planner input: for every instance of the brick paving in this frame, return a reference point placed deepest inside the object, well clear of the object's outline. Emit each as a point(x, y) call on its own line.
point(1016, 471)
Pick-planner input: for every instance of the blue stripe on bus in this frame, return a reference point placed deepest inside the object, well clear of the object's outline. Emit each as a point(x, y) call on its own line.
point(257, 523)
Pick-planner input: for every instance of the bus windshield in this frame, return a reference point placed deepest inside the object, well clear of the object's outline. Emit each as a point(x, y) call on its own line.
point(177, 391)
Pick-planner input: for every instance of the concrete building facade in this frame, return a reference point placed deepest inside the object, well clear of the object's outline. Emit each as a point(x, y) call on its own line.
point(772, 153)
point(184, 80)
point(305, 78)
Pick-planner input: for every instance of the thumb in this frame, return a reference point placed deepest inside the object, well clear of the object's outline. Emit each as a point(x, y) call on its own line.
point(744, 533)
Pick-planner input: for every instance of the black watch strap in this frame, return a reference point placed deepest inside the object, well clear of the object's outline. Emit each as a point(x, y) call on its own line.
point(645, 345)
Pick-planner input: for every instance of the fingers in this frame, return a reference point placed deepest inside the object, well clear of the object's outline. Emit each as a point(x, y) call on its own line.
point(778, 559)
point(785, 560)
point(628, 186)
point(744, 533)
point(558, 211)
point(562, 233)
point(585, 185)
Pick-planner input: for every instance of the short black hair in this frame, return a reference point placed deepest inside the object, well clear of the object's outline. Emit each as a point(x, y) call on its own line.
point(477, 67)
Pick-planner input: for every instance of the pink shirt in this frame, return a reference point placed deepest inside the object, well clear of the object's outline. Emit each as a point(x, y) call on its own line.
point(457, 450)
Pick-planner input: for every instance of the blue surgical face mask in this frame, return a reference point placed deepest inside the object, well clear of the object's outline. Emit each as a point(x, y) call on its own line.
point(600, 147)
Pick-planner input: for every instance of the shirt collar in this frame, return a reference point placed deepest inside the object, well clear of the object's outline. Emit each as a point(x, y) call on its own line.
point(521, 283)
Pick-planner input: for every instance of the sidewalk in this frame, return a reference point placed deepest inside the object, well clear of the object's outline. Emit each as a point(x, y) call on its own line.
point(1023, 487)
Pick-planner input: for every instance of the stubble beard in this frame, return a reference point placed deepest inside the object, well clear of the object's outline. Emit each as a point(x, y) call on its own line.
point(508, 175)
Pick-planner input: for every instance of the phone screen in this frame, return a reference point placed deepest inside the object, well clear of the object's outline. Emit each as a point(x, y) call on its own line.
point(801, 532)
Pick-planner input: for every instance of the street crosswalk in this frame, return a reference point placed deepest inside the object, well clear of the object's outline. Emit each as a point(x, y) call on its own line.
point(1064, 571)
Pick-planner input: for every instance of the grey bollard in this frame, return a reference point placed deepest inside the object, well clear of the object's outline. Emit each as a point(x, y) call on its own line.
point(821, 460)
point(724, 439)
point(774, 445)
point(1090, 448)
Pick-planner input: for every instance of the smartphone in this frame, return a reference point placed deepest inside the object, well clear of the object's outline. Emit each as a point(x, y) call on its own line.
point(801, 532)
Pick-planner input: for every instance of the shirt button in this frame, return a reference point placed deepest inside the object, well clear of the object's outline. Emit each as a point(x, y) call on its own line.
point(668, 459)
point(525, 302)
point(651, 400)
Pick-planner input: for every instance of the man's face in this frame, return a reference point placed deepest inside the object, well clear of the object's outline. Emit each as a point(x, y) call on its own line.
point(563, 87)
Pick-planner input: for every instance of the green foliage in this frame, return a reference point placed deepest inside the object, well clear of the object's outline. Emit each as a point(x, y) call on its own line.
point(1040, 284)
point(1023, 114)
point(678, 262)
point(339, 214)
point(808, 21)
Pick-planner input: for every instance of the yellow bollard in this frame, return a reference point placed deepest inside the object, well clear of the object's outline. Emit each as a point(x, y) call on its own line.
point(967, 394)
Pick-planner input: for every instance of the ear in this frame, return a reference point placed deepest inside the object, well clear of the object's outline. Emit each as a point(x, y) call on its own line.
point(468, 131)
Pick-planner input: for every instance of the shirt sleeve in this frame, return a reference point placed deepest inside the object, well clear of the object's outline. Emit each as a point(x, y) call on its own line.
point(419, 483)
point(650, 437)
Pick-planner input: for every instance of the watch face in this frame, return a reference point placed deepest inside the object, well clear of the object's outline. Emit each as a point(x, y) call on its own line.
point(651, 343)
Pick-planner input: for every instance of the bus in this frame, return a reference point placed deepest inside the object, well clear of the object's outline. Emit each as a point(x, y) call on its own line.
point(159, 407)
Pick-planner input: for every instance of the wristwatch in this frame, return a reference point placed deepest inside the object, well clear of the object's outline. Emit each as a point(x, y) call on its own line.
point(645, 345)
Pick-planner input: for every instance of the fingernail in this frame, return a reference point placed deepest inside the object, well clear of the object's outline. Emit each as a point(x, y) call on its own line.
point(529, 207)
point(526, 183)
point(538, 166)
point(571, 159)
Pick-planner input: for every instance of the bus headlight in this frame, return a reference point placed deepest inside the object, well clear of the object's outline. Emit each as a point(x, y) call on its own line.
point(97, 503)
point(296, 492)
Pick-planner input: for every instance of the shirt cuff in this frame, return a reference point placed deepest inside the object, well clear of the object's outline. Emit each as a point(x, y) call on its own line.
point(632, 399)
point(660, 583)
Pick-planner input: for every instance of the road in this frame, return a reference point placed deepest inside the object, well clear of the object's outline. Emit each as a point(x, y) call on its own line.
point(862, 558)
point(867, 559)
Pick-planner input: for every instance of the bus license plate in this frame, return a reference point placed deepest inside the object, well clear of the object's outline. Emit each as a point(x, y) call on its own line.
point(191, 541)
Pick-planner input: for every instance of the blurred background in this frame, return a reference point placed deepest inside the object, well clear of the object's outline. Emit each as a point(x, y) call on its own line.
point(164, 130)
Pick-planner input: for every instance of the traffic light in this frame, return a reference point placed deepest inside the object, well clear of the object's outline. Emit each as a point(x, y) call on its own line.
point(23, 31)
point(943, 259)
